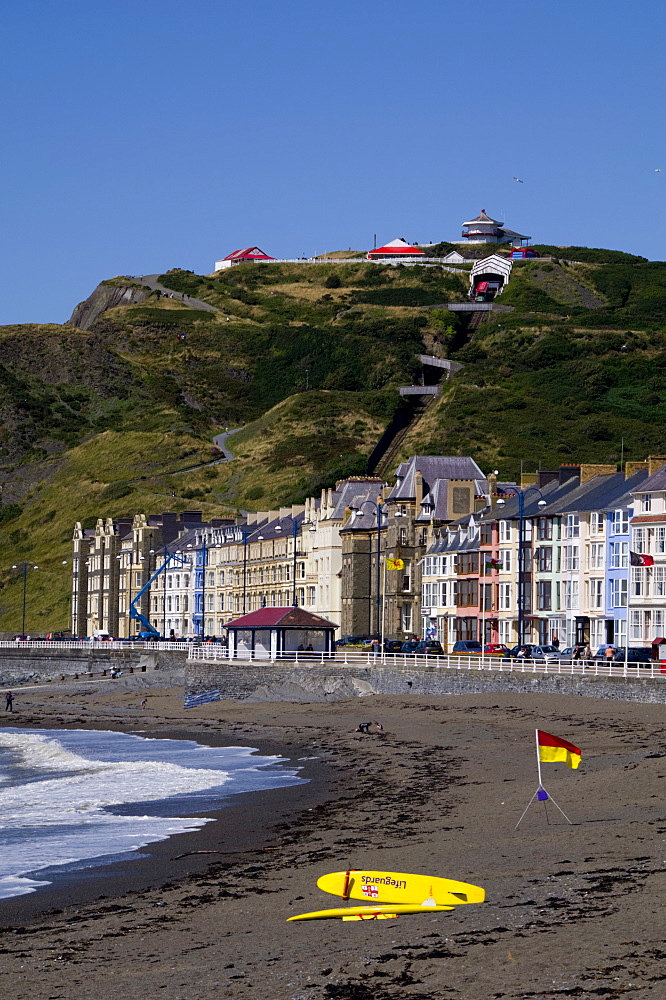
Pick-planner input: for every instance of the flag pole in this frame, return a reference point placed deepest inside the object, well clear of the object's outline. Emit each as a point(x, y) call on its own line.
point(541, 794)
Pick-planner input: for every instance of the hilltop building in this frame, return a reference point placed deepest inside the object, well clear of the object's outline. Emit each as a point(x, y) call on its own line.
point(247, 256)
point(395, 250)
point(483, 230)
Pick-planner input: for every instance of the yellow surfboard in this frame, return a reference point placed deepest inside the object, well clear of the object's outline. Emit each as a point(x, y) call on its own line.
point(388, 912)
point(400, 887)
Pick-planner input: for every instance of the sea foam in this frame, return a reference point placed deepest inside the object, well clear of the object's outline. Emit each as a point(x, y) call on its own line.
point(67, 796)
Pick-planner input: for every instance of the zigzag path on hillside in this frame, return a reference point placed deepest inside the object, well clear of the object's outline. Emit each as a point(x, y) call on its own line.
point(219, 441)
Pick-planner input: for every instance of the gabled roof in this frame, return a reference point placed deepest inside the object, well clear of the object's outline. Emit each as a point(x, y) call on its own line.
point(281, 618)
point(398, 246)
point(250, 253)
point(655, 482)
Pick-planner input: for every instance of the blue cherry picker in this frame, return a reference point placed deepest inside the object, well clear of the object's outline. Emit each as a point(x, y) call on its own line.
point(148, 631)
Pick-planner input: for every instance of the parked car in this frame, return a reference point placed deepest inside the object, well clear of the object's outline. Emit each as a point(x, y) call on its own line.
point(429, 647)
point(467, 647)
point(410, 646)
point(547, 654)
point(393, 645)
point(635, 655)
point(496, 649)
point(353, 640)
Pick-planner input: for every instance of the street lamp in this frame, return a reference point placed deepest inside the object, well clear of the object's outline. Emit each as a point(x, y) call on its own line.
point(25, 584)
point(379, 508)
point(294, 530)
point(522, 494)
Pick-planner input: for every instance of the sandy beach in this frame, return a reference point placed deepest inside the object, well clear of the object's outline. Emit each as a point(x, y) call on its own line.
point(571, 911)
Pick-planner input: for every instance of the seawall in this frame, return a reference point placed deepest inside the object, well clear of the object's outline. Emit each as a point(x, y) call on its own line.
point(254, 681)
point(25, 665)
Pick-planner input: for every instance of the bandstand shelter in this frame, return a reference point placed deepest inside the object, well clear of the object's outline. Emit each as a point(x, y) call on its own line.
point(271, 632)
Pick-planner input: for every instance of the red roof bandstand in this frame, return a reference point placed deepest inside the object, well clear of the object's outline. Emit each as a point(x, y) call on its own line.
point(271, 633)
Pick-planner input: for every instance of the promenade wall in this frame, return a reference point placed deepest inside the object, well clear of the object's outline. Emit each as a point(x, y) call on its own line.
point(25, 666)
point(257, 681)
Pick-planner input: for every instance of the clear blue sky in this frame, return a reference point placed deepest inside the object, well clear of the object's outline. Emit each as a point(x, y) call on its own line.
point(141, 135)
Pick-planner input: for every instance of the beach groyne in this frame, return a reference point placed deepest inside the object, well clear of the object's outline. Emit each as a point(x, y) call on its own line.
point(29, 665)
point(256, 681)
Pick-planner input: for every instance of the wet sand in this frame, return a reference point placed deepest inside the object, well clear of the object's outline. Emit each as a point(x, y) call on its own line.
point(572, 911)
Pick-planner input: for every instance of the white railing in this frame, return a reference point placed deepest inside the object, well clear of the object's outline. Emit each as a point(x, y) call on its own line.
point(343, 657)
point(408, 260)
point(355, 657)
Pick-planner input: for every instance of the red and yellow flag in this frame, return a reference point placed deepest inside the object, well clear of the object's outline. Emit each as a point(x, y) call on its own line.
point(553, 749)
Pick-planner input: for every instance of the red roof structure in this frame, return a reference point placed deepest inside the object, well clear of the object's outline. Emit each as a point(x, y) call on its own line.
point(281, 618)
point(250, 253)
point(396, 248)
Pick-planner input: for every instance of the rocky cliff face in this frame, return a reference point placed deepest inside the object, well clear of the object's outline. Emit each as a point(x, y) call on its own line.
point(106, 296)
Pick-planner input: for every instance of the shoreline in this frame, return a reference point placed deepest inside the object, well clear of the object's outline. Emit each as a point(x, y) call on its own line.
point(243, 825)
point(570, 910)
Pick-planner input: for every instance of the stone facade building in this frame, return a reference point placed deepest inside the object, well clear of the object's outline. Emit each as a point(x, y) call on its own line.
point(430, 490)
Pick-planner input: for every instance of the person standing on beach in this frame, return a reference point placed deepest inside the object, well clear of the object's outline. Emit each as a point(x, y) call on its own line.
point(144, 702)
point(9, 702)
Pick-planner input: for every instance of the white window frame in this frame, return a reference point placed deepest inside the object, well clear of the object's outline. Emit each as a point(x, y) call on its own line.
point(572, 526)
point(504, 590)
point(619, 588)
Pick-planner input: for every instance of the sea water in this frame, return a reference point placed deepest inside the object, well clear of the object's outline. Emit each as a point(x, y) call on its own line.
point(72, 799)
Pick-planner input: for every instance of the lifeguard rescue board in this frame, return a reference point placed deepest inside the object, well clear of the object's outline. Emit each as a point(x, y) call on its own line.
point(387, 912)
point(400, 887)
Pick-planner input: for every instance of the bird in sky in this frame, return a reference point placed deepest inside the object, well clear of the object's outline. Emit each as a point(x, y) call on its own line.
point(518, 179)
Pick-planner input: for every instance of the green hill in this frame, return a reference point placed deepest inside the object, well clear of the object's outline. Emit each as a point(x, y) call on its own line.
point(307, 359)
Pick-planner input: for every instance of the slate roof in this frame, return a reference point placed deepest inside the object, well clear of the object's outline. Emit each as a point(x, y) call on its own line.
point(366, 518)
point(596, 494)
point(655, 482)
point(352, 493)
point(432, 468)
point(281, 618)
point(551, 492)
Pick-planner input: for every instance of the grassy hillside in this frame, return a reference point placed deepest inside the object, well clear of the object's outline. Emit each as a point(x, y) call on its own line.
point(97, 422)
point(306, 359)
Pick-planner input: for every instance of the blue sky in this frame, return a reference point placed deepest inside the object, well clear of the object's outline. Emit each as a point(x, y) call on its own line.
point(145, 135)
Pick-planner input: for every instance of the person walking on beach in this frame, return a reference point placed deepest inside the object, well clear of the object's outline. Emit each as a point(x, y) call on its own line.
point(9, 702)
point(144, 702)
